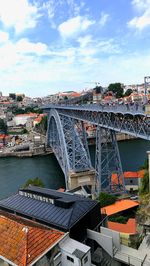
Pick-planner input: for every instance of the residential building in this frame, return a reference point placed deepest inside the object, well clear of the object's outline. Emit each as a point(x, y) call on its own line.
point(22, 119)
point(63, 211)
point(77, 224)
point(27, 243)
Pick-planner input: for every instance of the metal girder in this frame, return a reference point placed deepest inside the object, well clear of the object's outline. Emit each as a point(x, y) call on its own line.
point(109, 174)
point(63, 137)
point(137, 125)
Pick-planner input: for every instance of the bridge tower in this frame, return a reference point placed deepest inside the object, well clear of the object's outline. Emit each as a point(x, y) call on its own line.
point(109, 174)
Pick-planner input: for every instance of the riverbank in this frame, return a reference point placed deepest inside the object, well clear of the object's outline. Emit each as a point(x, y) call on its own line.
point(42, 151)
point(29, 153)
point(119, 137)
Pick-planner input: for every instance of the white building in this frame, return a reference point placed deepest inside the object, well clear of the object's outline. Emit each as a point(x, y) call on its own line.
point(74, 253)
point(22, 119)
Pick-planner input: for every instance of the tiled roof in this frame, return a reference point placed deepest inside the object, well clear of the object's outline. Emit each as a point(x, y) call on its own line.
point(22, 244)
point(119, 206)
point(62, 210)
point(139, 174)
point(129, 227)
point(27, 115)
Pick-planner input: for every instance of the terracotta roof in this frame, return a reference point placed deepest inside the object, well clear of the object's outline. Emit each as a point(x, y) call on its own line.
point(2, 136)
point(38, 119)
point(23, 244)
point(119, 206)
point(138, 174)
point(61, 189)
point(30, 114)
point(129, 227)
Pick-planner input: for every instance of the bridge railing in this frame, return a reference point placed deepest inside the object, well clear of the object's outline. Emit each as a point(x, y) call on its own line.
point(132, 108)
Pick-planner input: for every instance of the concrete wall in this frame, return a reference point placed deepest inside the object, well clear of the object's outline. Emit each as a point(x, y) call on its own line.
point(104, 241)
point(115, 236)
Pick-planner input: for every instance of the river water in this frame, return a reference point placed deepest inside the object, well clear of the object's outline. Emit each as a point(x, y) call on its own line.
point(14, 172)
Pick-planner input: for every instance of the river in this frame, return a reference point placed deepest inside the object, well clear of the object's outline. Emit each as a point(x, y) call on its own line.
point(14, 172)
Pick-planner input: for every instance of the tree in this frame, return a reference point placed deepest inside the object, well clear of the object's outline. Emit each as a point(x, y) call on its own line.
point(35, 182)
point(128, 92)
point(106, 199)
point(12, 96)
point(117, 89)
point(19, 98)
point(3, 126)
point(119, 219)
point(98, 89)
point(144, 189)
point(42, 126)
point(145, 183)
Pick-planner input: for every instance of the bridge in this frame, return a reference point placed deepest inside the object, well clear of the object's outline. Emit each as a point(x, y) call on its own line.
point(67, 136)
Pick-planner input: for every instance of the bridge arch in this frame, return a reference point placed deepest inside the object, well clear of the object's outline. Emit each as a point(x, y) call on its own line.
point(63, 138)
point(55, 139)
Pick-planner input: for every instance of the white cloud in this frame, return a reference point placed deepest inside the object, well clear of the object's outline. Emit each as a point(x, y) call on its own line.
point(103, 19)
point(84, 41)
point(74, 26)
point(18, 14)
point(143, 20)
point(4, 37)
point(140, 22)
point(25, 47)
point(141, 5)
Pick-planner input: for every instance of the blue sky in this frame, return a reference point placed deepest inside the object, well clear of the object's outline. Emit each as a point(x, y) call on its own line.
point(48, 46)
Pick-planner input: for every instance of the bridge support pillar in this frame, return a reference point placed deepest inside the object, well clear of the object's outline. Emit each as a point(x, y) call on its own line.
point(109, 173)
point(81, 179)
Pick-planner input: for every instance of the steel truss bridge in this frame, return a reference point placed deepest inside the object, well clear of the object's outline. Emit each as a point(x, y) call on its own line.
point(67, 137)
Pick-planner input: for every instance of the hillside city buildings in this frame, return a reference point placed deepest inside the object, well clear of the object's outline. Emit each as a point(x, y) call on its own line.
point(40, 226)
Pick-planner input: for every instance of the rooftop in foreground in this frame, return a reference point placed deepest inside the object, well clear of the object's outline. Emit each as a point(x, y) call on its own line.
point(23, 243)
point(59, 210)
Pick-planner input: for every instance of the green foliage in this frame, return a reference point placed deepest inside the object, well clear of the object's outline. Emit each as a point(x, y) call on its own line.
point(145, 165)
point(35, 182)
point(98, 89)
point(24, 131)
point(27, 110)
point(19, 98)
point(145, 184)
point(42, 126)
point(117, 89)
point(65, 98)
point(144, 189)
point(12, 96)
point(106, 199)
point(119, 219)
point(3, 126)
point(128, 92)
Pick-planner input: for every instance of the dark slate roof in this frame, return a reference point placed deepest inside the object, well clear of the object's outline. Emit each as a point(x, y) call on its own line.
point(65, 210)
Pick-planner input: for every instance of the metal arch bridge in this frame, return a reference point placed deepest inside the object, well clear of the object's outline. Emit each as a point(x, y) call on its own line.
point(67, 137)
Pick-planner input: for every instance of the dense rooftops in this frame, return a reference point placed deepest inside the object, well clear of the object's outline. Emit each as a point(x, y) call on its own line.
point(57, 209)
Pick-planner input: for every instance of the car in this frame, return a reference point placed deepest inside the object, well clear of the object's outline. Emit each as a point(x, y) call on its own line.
point(134, 197)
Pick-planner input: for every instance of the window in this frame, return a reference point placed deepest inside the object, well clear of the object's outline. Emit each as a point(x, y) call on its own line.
point(86, 259)
point(70, 259)
point(131, 181)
